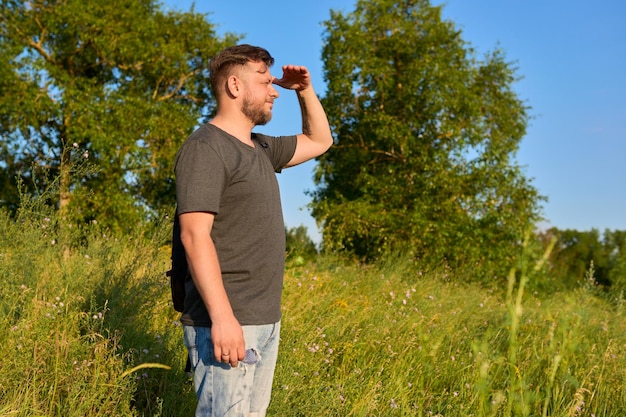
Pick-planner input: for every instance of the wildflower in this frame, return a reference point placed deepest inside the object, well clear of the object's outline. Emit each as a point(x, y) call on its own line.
point(75, 145)
point(86, 155)
point(393, 403)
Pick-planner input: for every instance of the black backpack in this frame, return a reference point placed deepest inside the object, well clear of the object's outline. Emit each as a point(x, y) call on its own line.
point(179, 272)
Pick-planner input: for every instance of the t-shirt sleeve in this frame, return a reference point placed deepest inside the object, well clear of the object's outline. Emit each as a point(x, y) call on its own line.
point(279, 149)
point(200, 178)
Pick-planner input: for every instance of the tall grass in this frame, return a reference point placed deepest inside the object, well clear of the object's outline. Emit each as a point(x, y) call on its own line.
point(87, 329)
point(77, 316)
point(399, 341)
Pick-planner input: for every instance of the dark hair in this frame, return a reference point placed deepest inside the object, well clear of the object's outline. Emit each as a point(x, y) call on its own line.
point(221, 65)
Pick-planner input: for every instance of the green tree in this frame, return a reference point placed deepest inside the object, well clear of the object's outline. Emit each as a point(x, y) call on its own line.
point(573, 255)
point(616, 242)
point(119, 82)
point(577, 251)
point(426, 135)
point(300, 246)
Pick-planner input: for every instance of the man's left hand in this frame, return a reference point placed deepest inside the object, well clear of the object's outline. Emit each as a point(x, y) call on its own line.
point(295, 77)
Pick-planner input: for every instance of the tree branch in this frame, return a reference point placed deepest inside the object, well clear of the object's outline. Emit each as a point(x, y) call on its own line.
point(181, 82)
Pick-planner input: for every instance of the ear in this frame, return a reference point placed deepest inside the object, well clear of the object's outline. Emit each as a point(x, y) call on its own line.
point(234, 86)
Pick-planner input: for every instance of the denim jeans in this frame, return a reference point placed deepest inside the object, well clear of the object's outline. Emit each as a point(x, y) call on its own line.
point(244, 391)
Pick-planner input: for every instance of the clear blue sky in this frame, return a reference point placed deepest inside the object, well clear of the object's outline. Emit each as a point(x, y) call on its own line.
point(570, 53)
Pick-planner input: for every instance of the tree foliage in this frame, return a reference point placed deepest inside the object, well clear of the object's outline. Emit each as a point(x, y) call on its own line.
point(579, 252)
point(300, 246)
point(119, 82)
point(426, 135)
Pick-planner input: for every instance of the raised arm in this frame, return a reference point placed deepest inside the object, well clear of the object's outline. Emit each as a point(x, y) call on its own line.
point(316, 137)
point(205, 271)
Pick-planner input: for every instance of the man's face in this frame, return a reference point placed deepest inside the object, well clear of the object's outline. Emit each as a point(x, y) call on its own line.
point(260, 93)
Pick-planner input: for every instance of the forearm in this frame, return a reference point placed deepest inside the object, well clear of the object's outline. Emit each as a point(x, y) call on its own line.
point(316, 136)
point(314, 121)
point(207, 276)
point(226, 332)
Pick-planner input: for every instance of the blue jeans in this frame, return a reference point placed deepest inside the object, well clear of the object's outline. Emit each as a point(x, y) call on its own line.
point(244, 391)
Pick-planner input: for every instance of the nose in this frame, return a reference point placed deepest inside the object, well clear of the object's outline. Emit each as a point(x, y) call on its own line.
point(273, 91)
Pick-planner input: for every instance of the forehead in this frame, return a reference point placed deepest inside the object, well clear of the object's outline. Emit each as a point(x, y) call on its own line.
point(258, 68)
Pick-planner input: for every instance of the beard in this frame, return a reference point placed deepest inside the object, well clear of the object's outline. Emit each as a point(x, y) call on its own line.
point(256, 113)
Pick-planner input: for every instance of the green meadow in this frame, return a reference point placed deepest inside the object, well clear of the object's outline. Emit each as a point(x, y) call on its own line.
point(87, 329)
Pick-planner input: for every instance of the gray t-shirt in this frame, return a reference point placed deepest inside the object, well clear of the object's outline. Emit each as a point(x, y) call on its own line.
point(217, 173)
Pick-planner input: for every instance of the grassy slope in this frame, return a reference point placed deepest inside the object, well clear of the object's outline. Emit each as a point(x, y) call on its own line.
point(357, 341)
point(372, 342)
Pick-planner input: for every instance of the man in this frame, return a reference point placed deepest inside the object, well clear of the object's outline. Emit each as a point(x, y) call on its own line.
point(232, 228)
